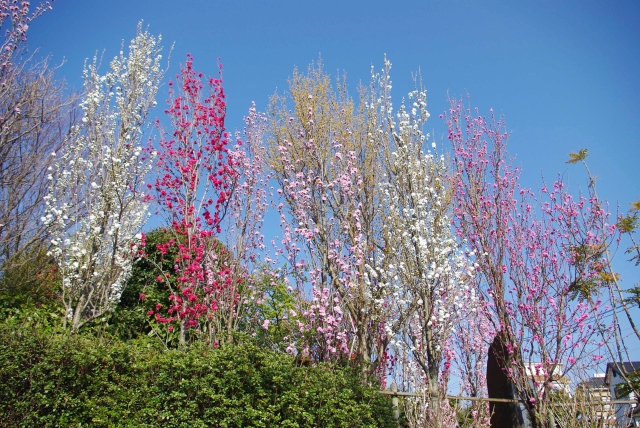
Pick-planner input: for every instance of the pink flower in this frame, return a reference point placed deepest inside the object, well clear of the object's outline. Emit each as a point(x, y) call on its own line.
point(265, 324)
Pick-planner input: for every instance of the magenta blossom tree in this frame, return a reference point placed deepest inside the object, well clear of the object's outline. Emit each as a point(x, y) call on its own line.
point(213, 194)
point(541, 260)
point(196, 178)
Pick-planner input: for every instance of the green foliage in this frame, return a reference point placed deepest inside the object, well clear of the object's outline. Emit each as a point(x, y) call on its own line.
point(278, 305)
point(632, 385)
point(116, 373)
point(30, 284)
point(578, 157)
point(634, 299)
point(130, 319)
point(588, 258)
point(52, 380)
point(629, 224)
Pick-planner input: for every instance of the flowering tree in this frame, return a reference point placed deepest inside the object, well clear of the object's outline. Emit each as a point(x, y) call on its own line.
point(325, 156)
point(470, 344)
point(242, 235)
point(35, 115)
point(248, 202)
point(203, 187)
point(617, 347)
point(428, 269)
point(95, 204)
point(15, 17)
point(541, 261)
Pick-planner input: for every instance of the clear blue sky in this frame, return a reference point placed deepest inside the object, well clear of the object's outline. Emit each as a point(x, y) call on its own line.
point(565, 74)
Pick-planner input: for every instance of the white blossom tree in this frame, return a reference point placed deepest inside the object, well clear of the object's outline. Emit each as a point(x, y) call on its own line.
point(426, 264)
point(96, 203)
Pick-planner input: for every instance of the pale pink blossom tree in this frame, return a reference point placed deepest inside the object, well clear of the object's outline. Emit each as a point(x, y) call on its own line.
point(327, 166)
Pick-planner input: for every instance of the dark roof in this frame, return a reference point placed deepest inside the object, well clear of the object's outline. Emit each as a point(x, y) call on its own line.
point(594, 382)
point(627, 367)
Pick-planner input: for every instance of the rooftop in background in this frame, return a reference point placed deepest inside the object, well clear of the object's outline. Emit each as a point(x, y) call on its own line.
point(616, 369)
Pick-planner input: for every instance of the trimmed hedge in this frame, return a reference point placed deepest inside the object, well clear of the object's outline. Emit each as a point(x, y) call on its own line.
point(53, 380)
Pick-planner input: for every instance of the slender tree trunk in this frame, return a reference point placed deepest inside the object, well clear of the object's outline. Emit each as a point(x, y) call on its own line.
point(503, 415)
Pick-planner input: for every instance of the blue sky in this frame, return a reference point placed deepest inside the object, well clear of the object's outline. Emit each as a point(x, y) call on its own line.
point(564, 74)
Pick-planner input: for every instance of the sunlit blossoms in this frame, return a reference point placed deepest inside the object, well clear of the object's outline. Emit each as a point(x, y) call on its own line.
point(541, 261)
point(96, 205)
point(427, 266)
point(427, 270)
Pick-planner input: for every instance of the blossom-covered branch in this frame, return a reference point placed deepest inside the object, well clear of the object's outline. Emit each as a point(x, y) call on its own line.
point(96, 204)
point(541, 260)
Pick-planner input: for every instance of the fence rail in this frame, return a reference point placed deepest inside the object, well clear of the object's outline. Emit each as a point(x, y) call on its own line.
point(498, 400)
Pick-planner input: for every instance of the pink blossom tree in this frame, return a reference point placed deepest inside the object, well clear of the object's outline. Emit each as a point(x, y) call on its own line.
point(205, 186)
point(541, 260)
point(324, 153)
point(469, 344)
point(15, 18)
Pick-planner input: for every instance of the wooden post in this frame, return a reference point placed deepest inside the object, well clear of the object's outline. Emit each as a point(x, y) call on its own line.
point(394, 401)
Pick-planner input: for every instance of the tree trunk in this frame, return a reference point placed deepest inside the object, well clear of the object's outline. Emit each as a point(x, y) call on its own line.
point(503, 415)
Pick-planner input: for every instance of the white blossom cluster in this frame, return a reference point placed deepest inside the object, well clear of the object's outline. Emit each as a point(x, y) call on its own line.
point(429, 271)
point(96, 203)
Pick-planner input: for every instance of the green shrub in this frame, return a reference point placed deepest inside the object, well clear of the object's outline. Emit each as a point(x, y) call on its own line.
point(31, 283)
point(53, 380)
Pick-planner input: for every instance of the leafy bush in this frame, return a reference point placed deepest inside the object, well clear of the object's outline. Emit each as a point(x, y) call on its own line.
point(29, 281)
point(55, 380)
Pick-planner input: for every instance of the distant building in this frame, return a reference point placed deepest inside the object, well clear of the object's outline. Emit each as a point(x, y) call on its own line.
point(558, 382)
point(634, 417)
point(627, 415)
point(599, 412)
point(536, 375)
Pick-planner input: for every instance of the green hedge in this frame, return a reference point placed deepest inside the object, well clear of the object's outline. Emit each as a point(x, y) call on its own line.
point(50, 380)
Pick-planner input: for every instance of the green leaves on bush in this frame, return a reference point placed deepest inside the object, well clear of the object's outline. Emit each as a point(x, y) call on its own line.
point(56, 380)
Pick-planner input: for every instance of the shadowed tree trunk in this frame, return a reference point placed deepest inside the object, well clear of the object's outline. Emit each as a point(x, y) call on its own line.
point(503, 415)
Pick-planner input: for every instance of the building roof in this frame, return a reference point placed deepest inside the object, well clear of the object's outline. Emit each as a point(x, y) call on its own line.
point(594, 382)
point(617, 368)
